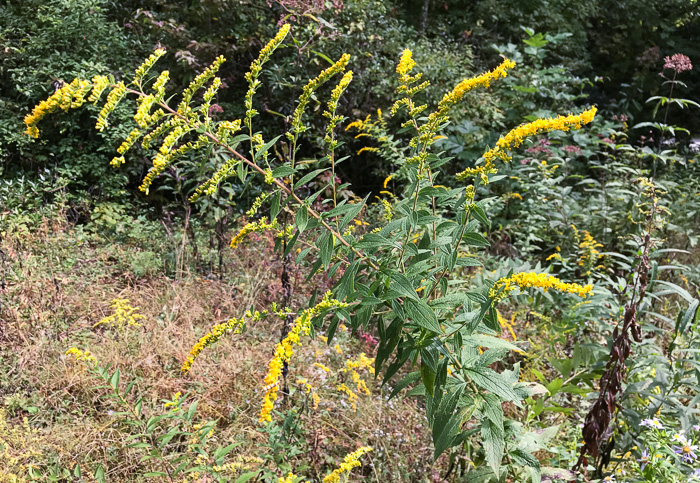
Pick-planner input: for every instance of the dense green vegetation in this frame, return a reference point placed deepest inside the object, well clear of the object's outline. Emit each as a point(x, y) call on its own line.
point(473, 258)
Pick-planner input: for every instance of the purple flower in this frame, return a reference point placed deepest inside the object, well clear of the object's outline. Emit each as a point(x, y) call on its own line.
point(609, 479)
point(644, 460)
point(687, 451)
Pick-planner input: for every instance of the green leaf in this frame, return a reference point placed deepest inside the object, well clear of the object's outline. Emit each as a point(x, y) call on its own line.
point(302, 218)
point(246, 477)
point(475, 239)
point(400, 286)
point(494, 444)
point(114, 380)
point(401, 385)
point(100, 474)
point(428, 376)
point(492, 382)
point(492, 410)
point(275, 205)
point(309, 176)
point(526, 459)
point(421, 314)
point(282, 171)
point(352, 212)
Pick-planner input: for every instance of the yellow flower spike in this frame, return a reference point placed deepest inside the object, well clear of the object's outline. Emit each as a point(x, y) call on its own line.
point(516, 137)
point(504, 286)
point(69, 95)
point(256, 67)
point(85, 356)
point(253, 227)
point(308, 91)
point(284, 351)
point(217, 332)
point(124, 315)
point(351, 461)
point(113, 99)
point(483, 80)
point(144, 68)
point(388, 178)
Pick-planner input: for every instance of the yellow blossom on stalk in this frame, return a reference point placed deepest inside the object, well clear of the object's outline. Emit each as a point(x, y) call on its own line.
point(197, 83)
point(284, 351)
point(242, 461)
point(406, 63)
point(99, 84)
point(143, 69)
point(69, 95)
point(483, 80)
point(129, 141)
point(506, 324)
point(333, 102)
point(388, 178)
point(504, 286)
point(350, 462)
point(256, 67)
point(516, 136)
point(253, 227)
point(322, 367)
point(216, 332)
point(82, 355)
point(175, 403)
point(308, 91)
point(123, 315)
point(114, 97)
point(288, 479)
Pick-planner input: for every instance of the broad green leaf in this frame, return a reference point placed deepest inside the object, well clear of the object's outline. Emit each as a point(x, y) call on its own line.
point(419, 312)
point(494, 443)
point(492, 382)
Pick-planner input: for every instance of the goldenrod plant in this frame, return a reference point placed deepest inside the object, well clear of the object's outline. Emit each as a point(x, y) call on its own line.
point(405, 277)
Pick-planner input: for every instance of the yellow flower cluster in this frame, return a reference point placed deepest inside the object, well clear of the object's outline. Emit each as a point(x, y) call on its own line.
point(335, 119)
point(82, 355)
point(504, 323)
point(350, 462)
point(99, 84)
point(166, 154)
point(406, 63)
point(143, 116)
point(308, 92)
point(255, 69)
point(69, 95)
point(589, 251)
point(143, 69)
point(124, 315)
point(175, 403)
point(216, 332)
point(428, 131)
point(242, 461)
point(129, 141)
point(516, 136)
point(284, 351)
point(19, 445)
point(209, 187)
point(253, 227)
point(115, 96)
point(483, 80)
point(504, 286)
point(197, 83)
point(290, 478)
